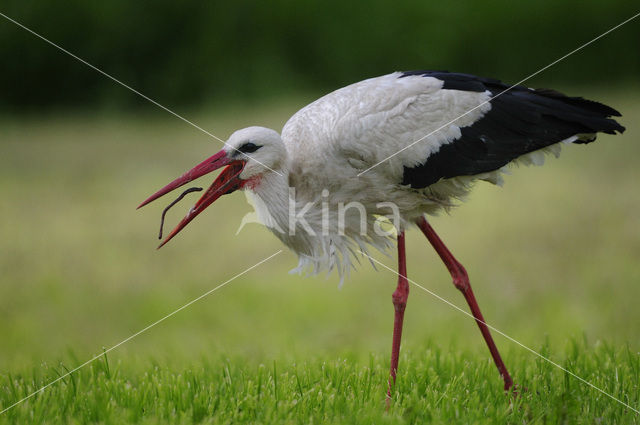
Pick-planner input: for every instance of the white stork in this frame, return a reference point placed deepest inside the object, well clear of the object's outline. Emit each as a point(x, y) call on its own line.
point(414, 140)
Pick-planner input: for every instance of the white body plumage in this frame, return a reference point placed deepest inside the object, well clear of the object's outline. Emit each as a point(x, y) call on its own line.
point(334, 139)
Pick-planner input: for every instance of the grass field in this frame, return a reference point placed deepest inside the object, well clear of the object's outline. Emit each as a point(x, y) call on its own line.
point(553, 257)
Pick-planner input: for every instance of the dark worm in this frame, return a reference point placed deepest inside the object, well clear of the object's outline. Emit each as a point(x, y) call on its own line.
point(164, 212)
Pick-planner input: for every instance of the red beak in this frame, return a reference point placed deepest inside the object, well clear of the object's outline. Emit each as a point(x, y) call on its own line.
point(227, 182)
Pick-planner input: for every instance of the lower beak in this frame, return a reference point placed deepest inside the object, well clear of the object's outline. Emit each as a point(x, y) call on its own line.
point(227, 182)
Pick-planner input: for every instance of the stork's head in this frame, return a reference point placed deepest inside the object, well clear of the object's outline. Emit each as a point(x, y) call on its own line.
point(248, 155)
point(261, 150)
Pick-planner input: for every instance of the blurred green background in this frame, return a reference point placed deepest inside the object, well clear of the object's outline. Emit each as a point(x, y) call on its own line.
point(552, 256)
point(195, 53)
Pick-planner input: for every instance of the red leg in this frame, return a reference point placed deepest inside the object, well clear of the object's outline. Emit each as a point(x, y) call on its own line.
point(399, 298)
point(461, 281)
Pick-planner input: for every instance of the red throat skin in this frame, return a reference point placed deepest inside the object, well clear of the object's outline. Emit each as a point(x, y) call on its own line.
point(252, 183)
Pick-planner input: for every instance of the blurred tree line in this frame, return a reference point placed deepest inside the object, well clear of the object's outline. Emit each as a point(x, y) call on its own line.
point(193, 52)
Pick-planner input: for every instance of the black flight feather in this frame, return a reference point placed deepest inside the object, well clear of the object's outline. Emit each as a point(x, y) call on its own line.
point(520, 121)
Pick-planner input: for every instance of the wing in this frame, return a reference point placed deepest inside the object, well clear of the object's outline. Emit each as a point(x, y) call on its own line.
point(521, 120)
point(430, 125)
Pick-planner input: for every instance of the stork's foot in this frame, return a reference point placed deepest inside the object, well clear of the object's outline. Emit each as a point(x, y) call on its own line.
point(515, 391)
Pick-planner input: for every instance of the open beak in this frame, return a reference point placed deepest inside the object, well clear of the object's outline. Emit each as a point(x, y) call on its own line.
point(227, 182)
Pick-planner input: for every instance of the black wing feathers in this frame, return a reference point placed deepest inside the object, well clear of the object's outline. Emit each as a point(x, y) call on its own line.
point(521, 120)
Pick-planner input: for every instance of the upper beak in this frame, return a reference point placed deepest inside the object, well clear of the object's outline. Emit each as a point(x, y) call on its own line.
point(227, 182)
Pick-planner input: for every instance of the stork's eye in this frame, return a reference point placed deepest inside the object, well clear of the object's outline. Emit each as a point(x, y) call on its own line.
point(248, 147)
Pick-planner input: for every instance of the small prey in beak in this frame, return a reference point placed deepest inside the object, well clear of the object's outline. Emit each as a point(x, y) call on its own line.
point(227, 181)
point(164, 211)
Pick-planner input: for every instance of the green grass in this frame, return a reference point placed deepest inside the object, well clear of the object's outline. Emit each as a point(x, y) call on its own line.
point(435, 386)
point(553, 259)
